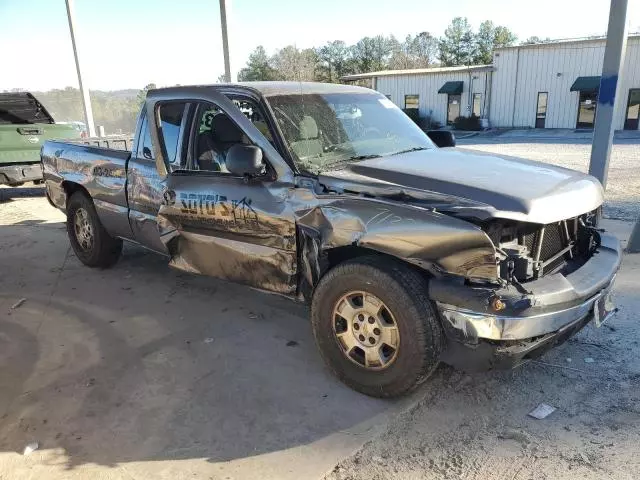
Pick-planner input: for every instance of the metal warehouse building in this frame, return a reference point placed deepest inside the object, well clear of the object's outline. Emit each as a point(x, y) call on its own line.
point(547, 85)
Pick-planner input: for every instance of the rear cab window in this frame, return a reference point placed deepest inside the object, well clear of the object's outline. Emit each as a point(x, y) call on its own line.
point(173, 119)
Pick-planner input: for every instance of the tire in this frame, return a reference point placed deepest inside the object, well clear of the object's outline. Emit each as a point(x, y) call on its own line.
point(99, 249)
point(403, 293)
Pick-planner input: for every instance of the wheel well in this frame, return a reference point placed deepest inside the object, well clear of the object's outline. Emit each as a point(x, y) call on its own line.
point(338, 255)
point(71, 187)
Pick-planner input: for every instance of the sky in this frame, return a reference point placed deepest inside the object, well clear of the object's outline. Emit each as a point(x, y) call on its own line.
point(130, 43)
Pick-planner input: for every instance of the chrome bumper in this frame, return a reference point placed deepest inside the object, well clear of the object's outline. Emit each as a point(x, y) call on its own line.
point(550, 304)
point(498, 327)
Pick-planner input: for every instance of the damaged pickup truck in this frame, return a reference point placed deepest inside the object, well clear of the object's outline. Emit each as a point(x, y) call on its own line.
point(409, 254)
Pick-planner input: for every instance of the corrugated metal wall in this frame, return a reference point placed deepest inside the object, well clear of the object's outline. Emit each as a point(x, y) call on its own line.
point(520, 73)
point(427, 85)
point(523, 72)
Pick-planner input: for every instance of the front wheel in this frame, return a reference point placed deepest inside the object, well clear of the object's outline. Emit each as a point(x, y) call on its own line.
point(90, 241)
point(375, 327)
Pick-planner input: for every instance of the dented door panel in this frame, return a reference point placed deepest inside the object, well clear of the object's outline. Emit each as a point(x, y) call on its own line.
point(225, 227)
point(242, 262)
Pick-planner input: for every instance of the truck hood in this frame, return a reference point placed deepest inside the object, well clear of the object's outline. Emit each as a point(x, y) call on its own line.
point(473, 184)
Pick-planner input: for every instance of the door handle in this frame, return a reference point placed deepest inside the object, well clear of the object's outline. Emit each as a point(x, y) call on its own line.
point(30, 131)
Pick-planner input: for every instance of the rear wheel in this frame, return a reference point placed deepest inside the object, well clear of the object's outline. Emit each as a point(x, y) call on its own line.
point(89, 239)
point(375, 327)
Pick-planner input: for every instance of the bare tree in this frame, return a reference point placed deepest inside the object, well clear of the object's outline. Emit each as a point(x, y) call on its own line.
point(294, 64)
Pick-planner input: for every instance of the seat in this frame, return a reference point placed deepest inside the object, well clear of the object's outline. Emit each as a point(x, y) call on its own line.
point(207, 153)
point(309, 144)
point(214, 144)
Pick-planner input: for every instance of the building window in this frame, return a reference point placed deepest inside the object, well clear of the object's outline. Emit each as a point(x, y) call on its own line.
point(588, 102)
point(477, 104)
point(411, 101)
point(633, 110)
point(453, 108)
point(541, 109)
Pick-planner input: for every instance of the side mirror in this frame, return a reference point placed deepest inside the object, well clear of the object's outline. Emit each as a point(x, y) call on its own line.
point(245, 160)
point(442, 138)
point(146, 153)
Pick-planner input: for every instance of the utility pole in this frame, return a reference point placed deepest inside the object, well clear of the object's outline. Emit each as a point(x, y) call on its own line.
point(86, 100)
point(603, 129)
point(611, 71)
point(224, 4)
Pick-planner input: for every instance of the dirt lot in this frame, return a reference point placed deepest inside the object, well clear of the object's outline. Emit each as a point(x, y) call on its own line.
point(142, 372)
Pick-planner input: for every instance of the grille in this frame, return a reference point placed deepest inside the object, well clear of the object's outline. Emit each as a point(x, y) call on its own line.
point(552, 266)
point(522, 260)
point(552, 242)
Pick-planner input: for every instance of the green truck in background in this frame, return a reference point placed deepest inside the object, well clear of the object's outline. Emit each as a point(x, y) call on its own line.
point(24, 126)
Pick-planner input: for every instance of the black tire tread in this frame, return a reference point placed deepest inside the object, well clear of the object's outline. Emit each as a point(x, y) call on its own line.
point(106, 250)
point(393, 275)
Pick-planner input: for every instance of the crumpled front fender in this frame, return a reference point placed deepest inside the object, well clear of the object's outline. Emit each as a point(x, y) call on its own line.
point(436, 242)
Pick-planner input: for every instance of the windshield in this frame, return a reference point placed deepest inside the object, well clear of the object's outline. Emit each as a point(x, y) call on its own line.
point(327, 131)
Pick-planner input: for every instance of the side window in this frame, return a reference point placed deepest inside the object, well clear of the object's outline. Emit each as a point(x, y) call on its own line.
point(146, 139)
point(214, 133)
point(172, 118)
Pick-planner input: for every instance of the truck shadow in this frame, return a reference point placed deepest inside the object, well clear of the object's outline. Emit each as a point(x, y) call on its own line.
point(141, 362)
point(8, 194)
point(18, 348)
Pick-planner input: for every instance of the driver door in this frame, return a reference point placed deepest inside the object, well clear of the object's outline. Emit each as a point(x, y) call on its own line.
point(214, 222)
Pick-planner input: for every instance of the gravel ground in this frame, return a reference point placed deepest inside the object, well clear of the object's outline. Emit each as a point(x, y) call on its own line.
point(623, 186)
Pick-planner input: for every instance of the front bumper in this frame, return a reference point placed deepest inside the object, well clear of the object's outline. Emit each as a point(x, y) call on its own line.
point(543, 313)
point(17, 174)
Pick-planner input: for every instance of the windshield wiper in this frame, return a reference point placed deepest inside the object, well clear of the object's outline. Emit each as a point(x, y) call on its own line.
point(355, 158)
point(362, 157)
point(414, 149)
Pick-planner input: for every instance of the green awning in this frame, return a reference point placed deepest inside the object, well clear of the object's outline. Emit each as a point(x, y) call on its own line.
point(586, 84)
point(451, 88)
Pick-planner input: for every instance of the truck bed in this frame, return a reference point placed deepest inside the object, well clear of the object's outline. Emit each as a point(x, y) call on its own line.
point(121, 142)
point(98, 170)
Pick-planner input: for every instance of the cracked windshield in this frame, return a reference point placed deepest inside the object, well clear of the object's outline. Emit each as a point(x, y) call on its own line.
point(328, 131)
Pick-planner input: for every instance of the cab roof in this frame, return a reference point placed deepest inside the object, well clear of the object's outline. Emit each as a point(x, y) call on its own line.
point(272, 88)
